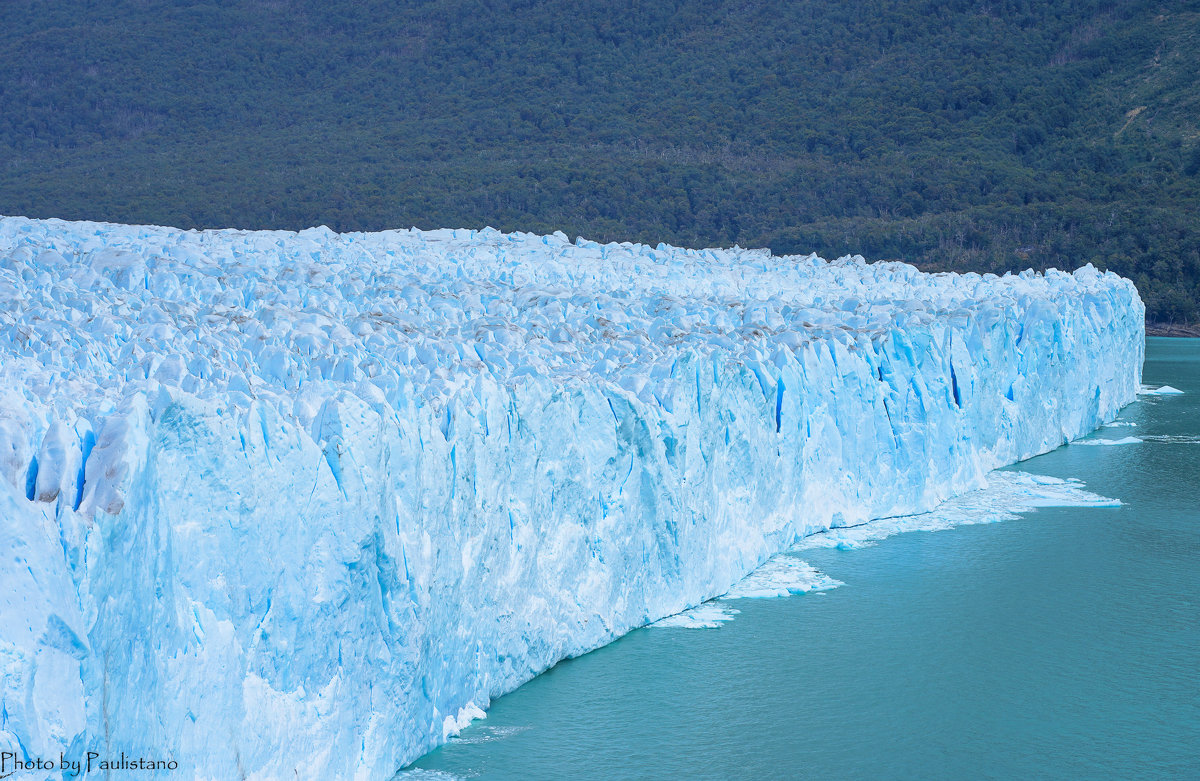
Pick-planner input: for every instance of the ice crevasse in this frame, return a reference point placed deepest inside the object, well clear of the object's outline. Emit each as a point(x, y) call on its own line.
point(279, 505)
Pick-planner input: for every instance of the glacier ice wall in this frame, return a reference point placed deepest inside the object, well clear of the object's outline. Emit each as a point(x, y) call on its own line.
point(284, 505)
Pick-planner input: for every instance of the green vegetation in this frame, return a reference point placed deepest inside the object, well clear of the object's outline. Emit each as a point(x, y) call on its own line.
point(989, 136)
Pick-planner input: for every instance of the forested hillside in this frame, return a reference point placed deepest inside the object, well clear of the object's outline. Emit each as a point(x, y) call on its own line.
point(957, 135)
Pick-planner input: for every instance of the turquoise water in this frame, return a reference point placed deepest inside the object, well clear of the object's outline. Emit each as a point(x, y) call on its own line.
point(1064, 644)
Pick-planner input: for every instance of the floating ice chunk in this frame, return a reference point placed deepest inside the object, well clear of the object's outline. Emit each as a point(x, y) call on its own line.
point(1162, 390)
point(1121, 441)
point(780, 576)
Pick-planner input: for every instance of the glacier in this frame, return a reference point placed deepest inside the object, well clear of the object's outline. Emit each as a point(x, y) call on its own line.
point(280, 505)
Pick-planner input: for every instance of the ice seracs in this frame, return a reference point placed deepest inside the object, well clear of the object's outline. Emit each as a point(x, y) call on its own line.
point(294, 504)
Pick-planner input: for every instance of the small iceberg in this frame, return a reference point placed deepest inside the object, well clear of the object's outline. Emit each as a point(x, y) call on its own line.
point(1164, 390)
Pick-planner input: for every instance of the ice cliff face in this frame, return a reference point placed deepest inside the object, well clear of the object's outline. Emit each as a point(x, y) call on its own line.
point(283, 505)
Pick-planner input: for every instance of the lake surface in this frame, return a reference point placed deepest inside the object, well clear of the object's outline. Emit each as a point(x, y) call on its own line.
point(1062, 644)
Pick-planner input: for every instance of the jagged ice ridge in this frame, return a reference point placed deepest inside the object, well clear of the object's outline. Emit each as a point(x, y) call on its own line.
point(299, 504)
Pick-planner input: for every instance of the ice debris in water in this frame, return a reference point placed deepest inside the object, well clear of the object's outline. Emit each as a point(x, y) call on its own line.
point(279, 504)
point(704, 616)
point(1121, 441)
point(1007, 493)
point(486, 734)
point(780, 576)
point(1172, 439)
point(421, 774)
point(1162, 390)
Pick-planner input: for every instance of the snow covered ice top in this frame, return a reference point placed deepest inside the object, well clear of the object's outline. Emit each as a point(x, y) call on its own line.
point(91, 313)
point(309, 500)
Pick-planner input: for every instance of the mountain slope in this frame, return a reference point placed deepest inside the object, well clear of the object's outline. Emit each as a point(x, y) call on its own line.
point(957, 135)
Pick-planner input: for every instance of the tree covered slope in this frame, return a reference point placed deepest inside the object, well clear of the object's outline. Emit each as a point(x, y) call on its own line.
point(957, 135)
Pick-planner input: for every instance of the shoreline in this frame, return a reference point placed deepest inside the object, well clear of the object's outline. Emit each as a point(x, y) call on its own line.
point(1173, 330)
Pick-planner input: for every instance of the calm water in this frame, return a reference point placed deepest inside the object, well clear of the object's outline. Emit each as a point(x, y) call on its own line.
point(1065, 644)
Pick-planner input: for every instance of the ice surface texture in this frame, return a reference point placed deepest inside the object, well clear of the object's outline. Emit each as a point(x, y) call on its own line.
point(284, 505)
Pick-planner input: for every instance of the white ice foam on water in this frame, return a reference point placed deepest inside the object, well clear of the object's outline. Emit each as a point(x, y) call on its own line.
point(1007, 493)
point(707, 615)
point(421, 774)
point(1162, 390)
point(1120, 424)
point(282, 504)
point(1172, 439)
point(1102, 442)
point(488, 734)
point(780, 576)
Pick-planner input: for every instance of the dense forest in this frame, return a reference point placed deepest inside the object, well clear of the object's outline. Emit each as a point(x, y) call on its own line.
point(954, 134)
